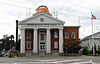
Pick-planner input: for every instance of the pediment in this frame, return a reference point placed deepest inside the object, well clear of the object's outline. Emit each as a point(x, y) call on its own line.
point(36, 19)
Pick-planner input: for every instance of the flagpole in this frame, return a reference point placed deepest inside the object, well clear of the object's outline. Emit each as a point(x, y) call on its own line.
point(92, 34)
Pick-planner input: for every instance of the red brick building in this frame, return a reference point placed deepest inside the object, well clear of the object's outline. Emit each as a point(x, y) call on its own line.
point(45, 35)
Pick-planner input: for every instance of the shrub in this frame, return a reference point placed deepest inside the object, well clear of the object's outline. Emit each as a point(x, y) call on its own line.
point(85, 51)
point(98, 51)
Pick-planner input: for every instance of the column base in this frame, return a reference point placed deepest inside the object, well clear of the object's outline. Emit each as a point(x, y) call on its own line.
point(48, 54)
point(35, 54)
point(61, 54)
point(21, 54)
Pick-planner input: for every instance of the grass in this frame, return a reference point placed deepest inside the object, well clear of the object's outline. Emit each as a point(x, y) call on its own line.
point(89, 55)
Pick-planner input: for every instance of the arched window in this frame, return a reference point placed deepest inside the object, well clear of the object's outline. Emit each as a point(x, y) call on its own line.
point(66, 35)
point(73, 35)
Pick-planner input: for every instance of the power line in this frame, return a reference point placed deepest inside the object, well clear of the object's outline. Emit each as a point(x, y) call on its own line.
point(13, 5)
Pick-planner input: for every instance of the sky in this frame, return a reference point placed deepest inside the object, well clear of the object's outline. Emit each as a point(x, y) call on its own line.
point(73, 12)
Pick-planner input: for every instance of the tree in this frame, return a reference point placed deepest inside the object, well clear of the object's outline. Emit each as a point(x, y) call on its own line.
point(7, 42)
point(72, 44)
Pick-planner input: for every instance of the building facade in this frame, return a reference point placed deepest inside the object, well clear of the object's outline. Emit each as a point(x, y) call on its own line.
point(44, 35)
point(88, 43)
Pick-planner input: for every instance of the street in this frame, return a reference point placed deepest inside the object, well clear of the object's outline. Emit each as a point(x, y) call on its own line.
point(50, 60)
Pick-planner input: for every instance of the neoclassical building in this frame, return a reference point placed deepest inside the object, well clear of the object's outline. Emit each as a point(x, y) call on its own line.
point(44, 35)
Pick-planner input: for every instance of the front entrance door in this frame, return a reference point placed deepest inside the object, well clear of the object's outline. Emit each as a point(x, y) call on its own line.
point(42, 46)
point(42, 41)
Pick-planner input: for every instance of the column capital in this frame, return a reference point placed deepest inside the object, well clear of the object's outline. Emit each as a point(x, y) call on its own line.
point(48, 28)
point(61, 28)
point(35, 28)
point(22, 28)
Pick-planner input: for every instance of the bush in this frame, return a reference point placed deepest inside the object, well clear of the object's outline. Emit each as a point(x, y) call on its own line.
point(98, 51)
point(85, 51)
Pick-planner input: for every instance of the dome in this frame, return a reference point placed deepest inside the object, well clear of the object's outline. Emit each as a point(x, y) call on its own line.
point(42, 8)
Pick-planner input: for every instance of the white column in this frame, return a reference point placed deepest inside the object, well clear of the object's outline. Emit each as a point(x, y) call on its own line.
point(22, 46)
point(48, 44)
point(35, 49)
point(60, 40)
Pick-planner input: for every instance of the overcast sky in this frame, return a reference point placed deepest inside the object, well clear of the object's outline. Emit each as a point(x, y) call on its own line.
point(73, 12)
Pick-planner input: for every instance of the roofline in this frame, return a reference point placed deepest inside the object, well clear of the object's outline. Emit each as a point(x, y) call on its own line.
point(42, 13)
point(89, 36)
point(72, 26)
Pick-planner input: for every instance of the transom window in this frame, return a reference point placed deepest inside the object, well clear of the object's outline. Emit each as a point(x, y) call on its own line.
point(28, 34)
point(55, 34)
point(55, 44)
point(28, 44)
point(42, 36)
point(73, 35)
point(66, 35)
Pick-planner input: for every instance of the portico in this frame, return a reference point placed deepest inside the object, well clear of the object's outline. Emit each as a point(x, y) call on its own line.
point(41, 40)
point(41, 43)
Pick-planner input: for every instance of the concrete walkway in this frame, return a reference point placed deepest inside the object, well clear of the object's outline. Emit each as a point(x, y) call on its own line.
point(46, 60)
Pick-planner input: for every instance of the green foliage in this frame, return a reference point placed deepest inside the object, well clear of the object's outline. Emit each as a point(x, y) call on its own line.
point(98, 51)
point(85, 51)
point(7, 42)
point(73, 44)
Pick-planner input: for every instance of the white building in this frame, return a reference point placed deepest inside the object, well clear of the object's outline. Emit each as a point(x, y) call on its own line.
point(87, 41)
point(43, 35)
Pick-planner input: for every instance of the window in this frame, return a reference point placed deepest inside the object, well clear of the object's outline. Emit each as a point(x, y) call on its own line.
point(28, 34)
point(73, 35)
point(66, 35)
point(55, 34)
point(42, 36)
point(42, 19)
point(28, 44)
point(55, 44)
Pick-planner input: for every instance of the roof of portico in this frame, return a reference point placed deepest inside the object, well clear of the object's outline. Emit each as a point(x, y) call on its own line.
point(54, 20)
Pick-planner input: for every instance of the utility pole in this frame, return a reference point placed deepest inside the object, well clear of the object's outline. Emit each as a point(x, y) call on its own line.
point(16, 31)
